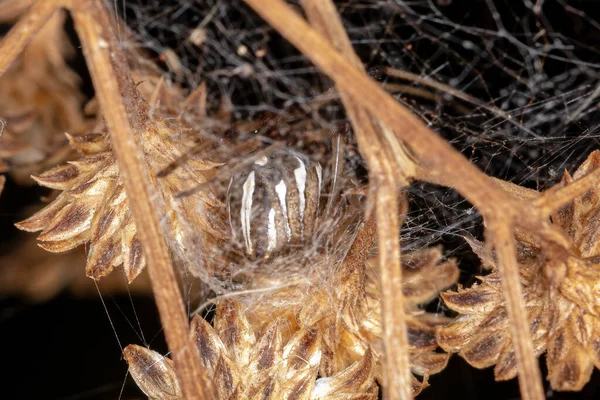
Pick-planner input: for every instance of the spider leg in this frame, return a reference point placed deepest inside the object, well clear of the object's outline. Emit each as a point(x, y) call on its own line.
point(336, 171)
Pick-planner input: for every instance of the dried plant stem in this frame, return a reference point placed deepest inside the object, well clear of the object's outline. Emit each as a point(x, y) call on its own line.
point(459, 94)
point(515, 305)
point(19, 36)
point(101, 49)
point(114, 91)
point(360, 249)
point(446, 165)
point(557, 197)
point(517, 191)
point(397, 374)
point(11, 10)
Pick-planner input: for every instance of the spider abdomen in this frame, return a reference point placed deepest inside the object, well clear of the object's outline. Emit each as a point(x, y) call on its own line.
point(273, 203)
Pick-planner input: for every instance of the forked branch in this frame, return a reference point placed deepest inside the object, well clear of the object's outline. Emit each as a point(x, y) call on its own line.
point(555, 198)
point(365, 102)
point(446, 166)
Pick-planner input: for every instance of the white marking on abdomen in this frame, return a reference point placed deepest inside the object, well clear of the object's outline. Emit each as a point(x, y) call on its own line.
point(319, 176)
point(262, 161)
point(281, 190)
point(271, 231)
point(246, 210)
point(300, 175)
point(229, 206)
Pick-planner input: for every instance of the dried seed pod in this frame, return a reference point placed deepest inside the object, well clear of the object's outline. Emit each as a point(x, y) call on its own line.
point(153, 373)
point(274, 203)
point(562, 300)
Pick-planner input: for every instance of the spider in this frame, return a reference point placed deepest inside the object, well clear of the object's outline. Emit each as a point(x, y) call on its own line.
point(397, 148)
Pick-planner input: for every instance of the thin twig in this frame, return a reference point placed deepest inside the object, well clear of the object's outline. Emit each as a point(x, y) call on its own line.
point(114, 89)
point(432, 153)
point(447, 167)
point(501, 235)
point(324, 17)
point(409, 76)
point(21, 34)
point(556, 197)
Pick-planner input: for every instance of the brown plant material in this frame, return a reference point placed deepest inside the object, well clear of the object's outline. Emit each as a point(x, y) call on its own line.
point(561, 300)
point(346, 308)
point(126, 117)
point(93, 206)
point(338, 314)
point(437, 163)
point(30, 272)
point(424, 277)
point(40, 100)
point(153, 373)
point(246, 364)
point(13, 9)
point(386, 173)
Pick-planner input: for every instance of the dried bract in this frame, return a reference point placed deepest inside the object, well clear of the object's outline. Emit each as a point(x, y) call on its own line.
point(153, 373)
point(245, 364)
point(346, 309)
point(40, 100)
point(321, 337)
point(93, 206)
point(562, 301)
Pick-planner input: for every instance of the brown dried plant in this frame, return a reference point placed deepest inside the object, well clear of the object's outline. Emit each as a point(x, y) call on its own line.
point(93, 205)
point(245, 364)
point(40, 100)
point(30, 272)
point(334, 335)
point(561, 300)
point(345, 309)
point(396, 145)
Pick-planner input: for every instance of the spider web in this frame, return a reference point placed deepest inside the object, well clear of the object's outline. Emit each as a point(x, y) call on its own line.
point(521, 80)
point(519, 97)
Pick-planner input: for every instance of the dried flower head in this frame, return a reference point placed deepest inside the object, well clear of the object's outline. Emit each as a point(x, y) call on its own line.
point(93, 206)
point(246, 364)
point(562, 301)
point(330, 322)
point(40, 100)
point(344, 307)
